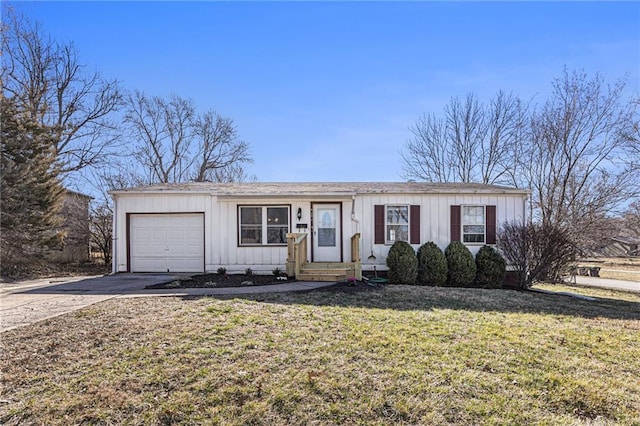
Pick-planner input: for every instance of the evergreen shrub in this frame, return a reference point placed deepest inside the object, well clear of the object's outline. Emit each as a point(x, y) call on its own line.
point(461, 266)
point(432, 265)
point(402, 263)
point(491, 268)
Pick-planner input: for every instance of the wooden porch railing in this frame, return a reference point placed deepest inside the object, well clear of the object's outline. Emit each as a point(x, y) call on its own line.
point(296, 253)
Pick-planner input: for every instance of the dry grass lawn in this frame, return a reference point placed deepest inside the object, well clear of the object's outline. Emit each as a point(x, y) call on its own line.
point(398, 355)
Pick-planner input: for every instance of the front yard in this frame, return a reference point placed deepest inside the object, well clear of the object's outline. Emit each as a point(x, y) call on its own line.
point(403, 355)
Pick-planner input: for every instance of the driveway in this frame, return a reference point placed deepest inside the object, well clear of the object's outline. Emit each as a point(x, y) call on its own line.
point(27, 302)
point(607, 283)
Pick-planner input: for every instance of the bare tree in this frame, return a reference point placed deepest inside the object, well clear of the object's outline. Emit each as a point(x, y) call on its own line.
point(537, 252)
point(472, 142)
point(575, 163)
point(175, 144)
point(221, 154)
point(115, 175)
point(47, 80)
point(427, 155)
point(162, 130)
point(101, 229)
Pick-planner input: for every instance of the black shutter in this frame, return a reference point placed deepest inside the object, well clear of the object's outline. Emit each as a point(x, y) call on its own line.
point(456, 223)
point(414, 225)
point(378, 220)
point(490, 223)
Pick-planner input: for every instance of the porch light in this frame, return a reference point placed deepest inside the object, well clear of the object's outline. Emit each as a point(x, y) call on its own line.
point(299, 213)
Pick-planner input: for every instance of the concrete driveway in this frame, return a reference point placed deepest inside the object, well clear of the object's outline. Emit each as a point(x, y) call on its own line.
point(27, 302)
point(607, 283)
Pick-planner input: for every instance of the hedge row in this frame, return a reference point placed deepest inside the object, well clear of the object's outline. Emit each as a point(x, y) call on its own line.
point(456, 267)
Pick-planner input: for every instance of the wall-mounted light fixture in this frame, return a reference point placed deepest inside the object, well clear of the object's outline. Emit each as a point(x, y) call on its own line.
point(299, 213)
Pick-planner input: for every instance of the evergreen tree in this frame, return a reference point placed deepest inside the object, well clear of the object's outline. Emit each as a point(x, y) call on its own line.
point(31, 193)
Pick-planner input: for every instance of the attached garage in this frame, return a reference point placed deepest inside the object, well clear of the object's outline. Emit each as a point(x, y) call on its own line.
point(172, 242)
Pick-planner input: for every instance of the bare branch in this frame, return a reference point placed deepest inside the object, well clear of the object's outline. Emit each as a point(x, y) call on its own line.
point(47, 80)
point(174, 144)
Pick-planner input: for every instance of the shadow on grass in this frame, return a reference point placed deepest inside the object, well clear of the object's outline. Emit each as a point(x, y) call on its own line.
point(414, 298)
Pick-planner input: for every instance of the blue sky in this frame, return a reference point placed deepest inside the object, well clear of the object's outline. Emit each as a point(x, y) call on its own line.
point(326, 91)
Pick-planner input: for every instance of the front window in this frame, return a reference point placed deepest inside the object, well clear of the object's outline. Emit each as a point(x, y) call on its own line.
point(397, 224)
point(264, 225)
point(473, 224)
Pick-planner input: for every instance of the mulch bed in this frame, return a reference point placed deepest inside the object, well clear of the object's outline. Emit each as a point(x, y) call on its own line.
point(243, 280)
point(218, 280)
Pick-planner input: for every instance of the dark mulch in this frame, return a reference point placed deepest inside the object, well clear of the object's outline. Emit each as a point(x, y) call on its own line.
point(218, 280)
point(242, 280)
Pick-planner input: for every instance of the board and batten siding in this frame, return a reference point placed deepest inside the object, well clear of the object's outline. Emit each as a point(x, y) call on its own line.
point(156, 204)
point(228, 253)
point(221, 223)
point(435, 218)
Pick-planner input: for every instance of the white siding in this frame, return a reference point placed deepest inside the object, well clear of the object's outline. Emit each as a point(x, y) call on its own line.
point(221, 223)
point(434, 219)
point(151, 203)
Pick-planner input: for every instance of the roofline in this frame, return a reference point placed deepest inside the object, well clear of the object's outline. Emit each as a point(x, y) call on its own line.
point(80, 194)
point(346, 193)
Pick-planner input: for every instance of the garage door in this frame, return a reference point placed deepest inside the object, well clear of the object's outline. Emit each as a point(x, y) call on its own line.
point(167, 242)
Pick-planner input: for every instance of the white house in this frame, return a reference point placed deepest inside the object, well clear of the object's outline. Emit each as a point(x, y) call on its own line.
point(199, 227)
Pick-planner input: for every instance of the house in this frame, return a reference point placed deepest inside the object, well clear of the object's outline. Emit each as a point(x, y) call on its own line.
point(75, 226)
point(314, 230)
point(618, 246)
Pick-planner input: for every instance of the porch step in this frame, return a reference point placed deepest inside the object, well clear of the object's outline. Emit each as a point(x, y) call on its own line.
point(313, 276)
point(324, 272)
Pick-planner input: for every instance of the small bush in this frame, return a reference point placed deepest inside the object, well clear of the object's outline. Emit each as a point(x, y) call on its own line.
point(538, 252)
point(461, 266)
point(248, 272)
point(276, 272)
point(402, 263)
point(491, 268)
point(222, 271)
point(432, 265)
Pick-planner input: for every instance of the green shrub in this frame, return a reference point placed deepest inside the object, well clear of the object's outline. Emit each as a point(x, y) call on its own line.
point(432, 265)
point(461, 266)
point(277, 272)
point(222, 271)
point(491, 268)
point(248, 272)
point(402, 263)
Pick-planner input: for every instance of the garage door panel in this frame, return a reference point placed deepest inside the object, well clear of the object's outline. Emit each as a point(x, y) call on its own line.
point(167, 242)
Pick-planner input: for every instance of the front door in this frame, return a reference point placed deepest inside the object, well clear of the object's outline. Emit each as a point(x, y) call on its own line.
point(327, 238)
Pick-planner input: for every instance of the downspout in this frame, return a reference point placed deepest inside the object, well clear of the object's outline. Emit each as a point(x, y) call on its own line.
point(353, 213)
point(114, 238)
point(526, 225)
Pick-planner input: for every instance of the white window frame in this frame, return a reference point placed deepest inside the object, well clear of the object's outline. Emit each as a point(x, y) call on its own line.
point(264, 225)
point(484, 225)
point(386, 223)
